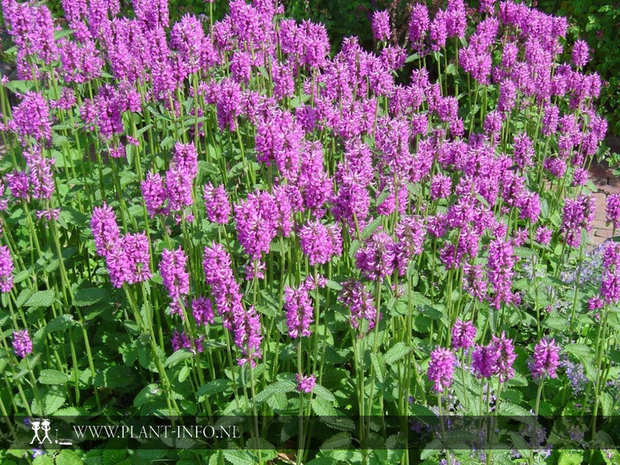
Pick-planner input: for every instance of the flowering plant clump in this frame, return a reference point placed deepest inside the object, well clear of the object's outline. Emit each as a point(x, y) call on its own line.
point(228, 218)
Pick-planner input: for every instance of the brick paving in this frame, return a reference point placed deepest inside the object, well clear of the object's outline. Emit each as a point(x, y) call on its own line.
point(606, 183)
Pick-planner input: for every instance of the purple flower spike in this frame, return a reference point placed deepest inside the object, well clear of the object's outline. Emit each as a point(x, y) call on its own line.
point(506, 357)
point(613, 210)
point(173, 274)
point(305, 383)
point(546, 359)
point(320, 242)
point(484, 361)
point(6, 269)
point(216, 204)
point(463, 333)
point(381, 25)
point(581, 53)
point(202, 311)
point(299, 311)
point(104, 228)
point(22, 343)
point(441, 368)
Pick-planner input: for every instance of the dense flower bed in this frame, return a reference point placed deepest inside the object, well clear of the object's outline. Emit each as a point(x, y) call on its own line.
point(224, 218)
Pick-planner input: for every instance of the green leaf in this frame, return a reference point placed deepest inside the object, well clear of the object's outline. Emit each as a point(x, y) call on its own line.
point(614, 356)
point(283, 386)
point(212, 387)
point(19, 277)
point(322, 407)
point(398, 351)
point(420, 300)
point(451, 69)
point(336, 286)
point(337, 441)
point(513, 410)
point(146, 395)
point(113, 455)
point(432, 448)
point(178, 356)
point(410, 58)
point(60, 323)
point(52, 377)
point(523, 252)
point(23, 296)
point(570, 457)
point(378, 364)
point(323, 393)
point(68, 457)
point(606, 403)
point(184, 373)
point(268, 450)
point(114, 377)
point(353, 248)
point(45, 459)
point(581, 351)
point(53, 400)
point(240, 457)
point(88, 296)
point(321, 461)
point(19, 87)
point(556, 322)
point(519, 443)
point(371, 228)
point(41, 299)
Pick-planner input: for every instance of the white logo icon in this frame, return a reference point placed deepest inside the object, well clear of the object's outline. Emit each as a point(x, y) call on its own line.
point(41, 427)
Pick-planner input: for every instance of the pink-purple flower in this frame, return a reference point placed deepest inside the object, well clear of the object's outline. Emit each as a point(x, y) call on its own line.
point(6, 269)
point(441, 368)
point(22, 344)
point(463, 334)
point(546, 359)
point(305, 383)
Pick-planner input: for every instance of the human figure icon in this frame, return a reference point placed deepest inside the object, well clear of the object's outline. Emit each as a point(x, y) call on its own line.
point(45, 426)
point(35, 427)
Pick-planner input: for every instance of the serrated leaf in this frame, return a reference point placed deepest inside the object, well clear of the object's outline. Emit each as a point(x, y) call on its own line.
point(184, 373)
point(212, 387)
point(513, 410)
point(23, 296)
point(114, 377)
point(279, 386)
point(519, 443)
point(45, 459)
point(396, 352)
point(40, 299)
point(322, 407)
point(60, 323)
point(556, 322)
point(581, 351)
point(178, 356)
point(355, 244)
point(52, 377)
point(323, 393)
point(147, 394)
point(570, 457)
point(88, 296)
point(268, 450)
point(113, 455)
point(240, 457)
point(432, 448)
point(337, 441)
point(371, 227)
point(378, 364)
point(52, 401)
point(336, 286)
point(68, 457)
